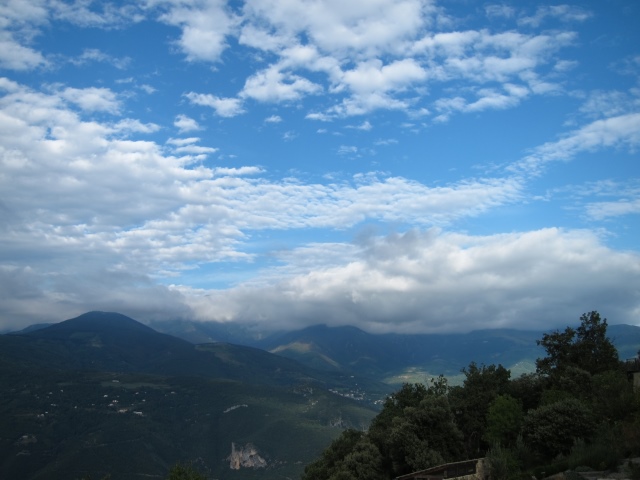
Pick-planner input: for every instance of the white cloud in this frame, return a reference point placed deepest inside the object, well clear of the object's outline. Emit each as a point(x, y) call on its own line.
point(108, 15)
point(205, 26)
point(607, 199)
point(322, 117)
point(195, 149)
point(272, 85)
point(364, 126)
point(21, 22)
point(148, 89)
point(14, 56)
point(618, 131)
point(183, 141)
point(366, 55)
point(565, 65)
point(565, 13)
point(607, 210)
point(224, 171)
point(491, 99)
point(160, 213)
point(374, 76)
point(362, 104)
point(347, 150)
point(186, 124)
point(18, 14)
point(224, 107)
point(121, 203)
point(92, 99)
point(486, 99)
point(385, 141)
point(95, 55)
point(359, 27)
point(505, 11)
point(133, 125)
point(437, 282)
point(289, 135)
point(273, 119)
point(29, 295)
point(610, 103)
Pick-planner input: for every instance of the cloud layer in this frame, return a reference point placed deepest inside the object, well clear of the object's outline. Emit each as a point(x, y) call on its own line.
point(150, 188)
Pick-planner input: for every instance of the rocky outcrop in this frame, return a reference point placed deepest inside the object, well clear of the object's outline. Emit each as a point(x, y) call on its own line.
point(245, 457)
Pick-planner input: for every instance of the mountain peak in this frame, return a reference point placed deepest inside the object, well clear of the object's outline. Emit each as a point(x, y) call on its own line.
point(95, 321)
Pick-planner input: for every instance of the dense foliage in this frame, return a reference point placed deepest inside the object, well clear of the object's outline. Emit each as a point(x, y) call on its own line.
point(579, 408)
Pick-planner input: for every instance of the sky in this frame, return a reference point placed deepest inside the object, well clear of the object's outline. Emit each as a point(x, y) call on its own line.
point(398, 165)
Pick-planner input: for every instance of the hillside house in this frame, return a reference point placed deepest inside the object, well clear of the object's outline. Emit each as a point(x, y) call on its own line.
point(476, 469)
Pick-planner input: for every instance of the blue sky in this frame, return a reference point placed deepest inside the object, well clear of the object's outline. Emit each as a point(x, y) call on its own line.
point(407, 166)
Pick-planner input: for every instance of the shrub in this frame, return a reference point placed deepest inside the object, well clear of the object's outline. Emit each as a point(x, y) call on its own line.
point(602, 453)
point(503, 464)
point(552, 429)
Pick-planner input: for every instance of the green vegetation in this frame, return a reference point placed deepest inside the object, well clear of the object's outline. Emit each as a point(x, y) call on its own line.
point(185, 472)
point(76, 403)
point(578, 410)
point(99, 423)
point(141, 402)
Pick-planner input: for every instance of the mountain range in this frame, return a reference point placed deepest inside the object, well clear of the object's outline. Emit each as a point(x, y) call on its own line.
point(104, 394)
point(394, 358)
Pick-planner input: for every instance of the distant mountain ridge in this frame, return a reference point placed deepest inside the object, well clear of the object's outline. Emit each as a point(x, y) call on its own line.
point(396, 357)
point(109, 341)
point(393, 358)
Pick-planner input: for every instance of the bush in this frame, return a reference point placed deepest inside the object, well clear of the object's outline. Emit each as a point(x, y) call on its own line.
point(503, 464)
point(185, 472)
point(631, 437)
point(601, 454)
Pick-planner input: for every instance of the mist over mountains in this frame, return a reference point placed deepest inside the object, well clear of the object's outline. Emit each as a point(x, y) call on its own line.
point(393, 357)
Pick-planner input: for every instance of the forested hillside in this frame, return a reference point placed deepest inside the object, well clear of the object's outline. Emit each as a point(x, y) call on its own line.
point(103, 395)
point(578, 409)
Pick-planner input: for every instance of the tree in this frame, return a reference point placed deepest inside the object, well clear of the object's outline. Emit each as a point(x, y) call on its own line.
point(409, 395)
point(352, 456)
point(423, 437)
point(586, 347)
point(613, 398)
point(527, 389)
point(552, 429)
point(503, 421)
point(414, 430)
point(330, 462)
point(471, 402)
point(364, 462)
point(184, 472)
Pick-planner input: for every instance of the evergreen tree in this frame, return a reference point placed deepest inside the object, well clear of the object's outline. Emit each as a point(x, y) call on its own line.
point(471, 402)
point(586, 348)
point(504, 420)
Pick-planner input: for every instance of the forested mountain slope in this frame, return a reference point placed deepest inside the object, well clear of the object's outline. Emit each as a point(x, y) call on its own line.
point(103, 394)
